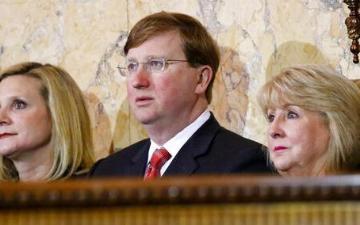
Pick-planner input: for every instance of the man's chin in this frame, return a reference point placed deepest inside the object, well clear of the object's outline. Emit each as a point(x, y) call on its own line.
point(145, 119)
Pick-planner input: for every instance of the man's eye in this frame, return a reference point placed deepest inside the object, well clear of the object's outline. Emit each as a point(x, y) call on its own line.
point(132, 66)
point(19, 104)
point(292, 115)
point(156, 64)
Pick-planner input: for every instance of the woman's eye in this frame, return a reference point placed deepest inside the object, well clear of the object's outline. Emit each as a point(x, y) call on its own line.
point(270, 117)
point(19, 104)
point(292, 115)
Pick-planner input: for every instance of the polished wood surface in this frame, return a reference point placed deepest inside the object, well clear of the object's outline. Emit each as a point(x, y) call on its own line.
point(189, 190)
point(184, 200)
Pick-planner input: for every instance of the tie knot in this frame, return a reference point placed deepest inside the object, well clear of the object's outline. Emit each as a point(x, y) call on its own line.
point(158, 159)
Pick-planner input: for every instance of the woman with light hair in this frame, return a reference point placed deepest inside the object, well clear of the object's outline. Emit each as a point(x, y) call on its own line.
point(314, 121)
point(357, 82)
point(45, 130)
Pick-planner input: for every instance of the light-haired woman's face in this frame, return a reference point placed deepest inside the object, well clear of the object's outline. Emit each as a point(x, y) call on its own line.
point(298, 140)
point(25, 121)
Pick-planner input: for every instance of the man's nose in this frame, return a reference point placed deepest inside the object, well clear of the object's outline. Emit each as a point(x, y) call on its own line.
point(141, 77)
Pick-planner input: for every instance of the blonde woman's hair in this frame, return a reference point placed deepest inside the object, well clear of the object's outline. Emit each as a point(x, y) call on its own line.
point(71, 127)
point(321, 89)
point(357, 82)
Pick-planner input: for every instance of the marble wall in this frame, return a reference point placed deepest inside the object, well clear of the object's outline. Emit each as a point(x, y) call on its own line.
point(257, 38)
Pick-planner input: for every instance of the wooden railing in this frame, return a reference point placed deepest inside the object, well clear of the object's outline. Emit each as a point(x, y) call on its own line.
point(185, 200)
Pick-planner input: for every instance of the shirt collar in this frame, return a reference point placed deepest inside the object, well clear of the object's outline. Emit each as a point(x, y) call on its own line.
point(177, 142)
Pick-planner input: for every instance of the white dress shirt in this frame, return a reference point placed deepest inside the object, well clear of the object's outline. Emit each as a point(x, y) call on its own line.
point(176, 143)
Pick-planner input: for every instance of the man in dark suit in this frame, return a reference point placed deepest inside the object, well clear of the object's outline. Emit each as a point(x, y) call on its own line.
point(171, 65)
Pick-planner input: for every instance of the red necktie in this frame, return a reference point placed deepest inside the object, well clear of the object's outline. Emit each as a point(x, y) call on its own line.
point(158, 159)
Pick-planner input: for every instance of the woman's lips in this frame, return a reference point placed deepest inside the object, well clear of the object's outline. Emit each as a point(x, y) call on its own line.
point(280, 148)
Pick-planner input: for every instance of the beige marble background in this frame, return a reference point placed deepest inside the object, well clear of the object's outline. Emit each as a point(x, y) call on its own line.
point(257, 38)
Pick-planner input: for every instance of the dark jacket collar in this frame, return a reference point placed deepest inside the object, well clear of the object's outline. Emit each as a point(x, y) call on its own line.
point(184, 162)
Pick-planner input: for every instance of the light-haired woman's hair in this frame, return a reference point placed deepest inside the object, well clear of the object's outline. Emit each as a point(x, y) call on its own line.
point(321, 89)
point(357, 82)
point(71, 127)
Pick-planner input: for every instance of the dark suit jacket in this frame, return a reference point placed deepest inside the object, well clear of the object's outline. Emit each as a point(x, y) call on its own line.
point(211, 150)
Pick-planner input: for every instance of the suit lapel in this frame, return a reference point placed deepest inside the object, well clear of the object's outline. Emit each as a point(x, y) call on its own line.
point(139, 160)
point(185, 162)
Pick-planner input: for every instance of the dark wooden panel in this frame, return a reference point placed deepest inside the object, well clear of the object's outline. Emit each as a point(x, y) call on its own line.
point(185, 200)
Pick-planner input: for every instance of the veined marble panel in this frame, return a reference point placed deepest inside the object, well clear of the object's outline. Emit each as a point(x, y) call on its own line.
point(257, 39)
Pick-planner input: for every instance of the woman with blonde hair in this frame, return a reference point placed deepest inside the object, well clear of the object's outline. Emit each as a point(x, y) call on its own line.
point(357, 82)
point(314, 121)
point(45, 130)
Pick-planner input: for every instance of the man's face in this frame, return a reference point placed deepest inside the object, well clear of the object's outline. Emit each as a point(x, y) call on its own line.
point(166, 97)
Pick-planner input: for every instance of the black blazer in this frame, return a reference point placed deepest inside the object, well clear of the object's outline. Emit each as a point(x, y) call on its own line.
point(211, 150)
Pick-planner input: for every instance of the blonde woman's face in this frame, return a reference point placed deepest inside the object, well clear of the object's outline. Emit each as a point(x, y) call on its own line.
point(25, 121)
point(297, 140)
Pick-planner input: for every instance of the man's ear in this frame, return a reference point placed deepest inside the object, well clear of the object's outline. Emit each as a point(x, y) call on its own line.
point(204, 78)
